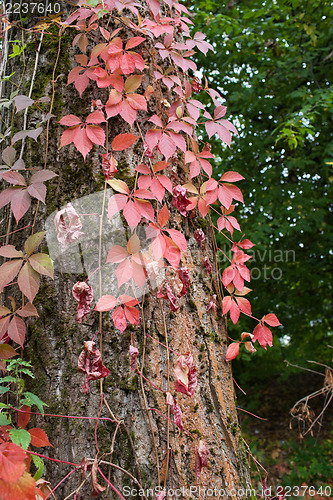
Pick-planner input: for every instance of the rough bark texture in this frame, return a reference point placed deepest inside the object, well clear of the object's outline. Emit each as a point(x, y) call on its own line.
point(54, 340)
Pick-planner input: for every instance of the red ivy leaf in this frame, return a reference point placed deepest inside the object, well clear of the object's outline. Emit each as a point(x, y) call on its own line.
point(90, 363)
point(83, 294)
point(16, 330)
point(119, 319)
point(106, 303)
point(185, 371)
point(23, 416)
point(12, 464)
point(70, 120)
point(39, 437)
point(232, 351)
point(263, 335)
point(8, 271)
point(123, 141)
point(271, 320)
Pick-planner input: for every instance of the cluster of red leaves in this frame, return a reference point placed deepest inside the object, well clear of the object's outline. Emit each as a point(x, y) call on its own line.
point(15, 480)
point(126, 310)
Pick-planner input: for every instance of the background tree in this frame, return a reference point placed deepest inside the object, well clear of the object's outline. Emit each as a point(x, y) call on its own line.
point(273, 64)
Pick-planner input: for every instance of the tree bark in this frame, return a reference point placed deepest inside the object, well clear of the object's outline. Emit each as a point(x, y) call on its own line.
point(137, 437)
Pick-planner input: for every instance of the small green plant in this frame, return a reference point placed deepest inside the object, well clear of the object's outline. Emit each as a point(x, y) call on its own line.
point(13, 385)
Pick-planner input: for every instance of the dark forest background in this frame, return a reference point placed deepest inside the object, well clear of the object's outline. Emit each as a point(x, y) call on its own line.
point(274, 66)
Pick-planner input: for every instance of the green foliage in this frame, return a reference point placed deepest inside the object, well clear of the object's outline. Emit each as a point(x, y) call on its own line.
point(273, 64)
point(14, 384)
point(310, 463)
point(39, 464)
point(21, 437)
point(31, 399)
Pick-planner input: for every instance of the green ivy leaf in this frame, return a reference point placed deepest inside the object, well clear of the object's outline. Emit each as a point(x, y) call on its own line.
point(21, 437)
point(4, 420)
point(39, 464)
point(31, 399)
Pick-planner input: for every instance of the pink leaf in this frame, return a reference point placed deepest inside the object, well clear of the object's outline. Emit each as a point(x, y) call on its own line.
point(106, 303)
point(271, 320)
point(132, 314)
point(95, 134)
point(132, 214)
point(134, 42)
point(96, 117)
point(8, 271)
point(232, 351)
point(124, 272)
point(42, 176)
point(263, 335)
point(244, 305)
point(116, 203)
point(163, 216)
point(10, 251)
point(128, 113)
point(178, 238)
point(22, 102)
point(117, 254)
point(185, 371)
point(37, 190)
point(231, 177)
point(119, 319)
point(246, 244)
point(27, 310)
point(123, 141)
point(70, 120)
point(82, 141)
point(14, 178)
point(16, 330)
point(178, 416)
point(20, 203)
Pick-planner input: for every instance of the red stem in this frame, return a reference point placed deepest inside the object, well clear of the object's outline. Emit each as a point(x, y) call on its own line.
point(113, 487)
point(52, 459)
point(164, 345)
point(16, 230)
point(186, 432)
point(63, 416)
point(253, 415)
point(151, 383)
point(100, 409)
point(64, 479)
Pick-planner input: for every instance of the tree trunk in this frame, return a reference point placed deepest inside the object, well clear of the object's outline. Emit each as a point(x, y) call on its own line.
point(137, 435)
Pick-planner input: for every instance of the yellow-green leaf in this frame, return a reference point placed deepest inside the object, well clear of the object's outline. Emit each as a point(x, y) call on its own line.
point(42, 263)
point(33, 242)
